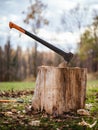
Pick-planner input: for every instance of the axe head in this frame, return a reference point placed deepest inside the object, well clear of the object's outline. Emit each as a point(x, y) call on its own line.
point(68, 57)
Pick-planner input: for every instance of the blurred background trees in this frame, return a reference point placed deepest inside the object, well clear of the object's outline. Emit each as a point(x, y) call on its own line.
point(88, 47)
point(17, 64)
point(36, 19)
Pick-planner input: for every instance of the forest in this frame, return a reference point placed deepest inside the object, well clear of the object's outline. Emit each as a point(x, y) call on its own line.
point(17, 64)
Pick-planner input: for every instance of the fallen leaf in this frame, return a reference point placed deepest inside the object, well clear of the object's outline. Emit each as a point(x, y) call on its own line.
point(83, 112)
point(14, 111)
point(35, 123)
point(84, 123)
point(8, 113)
point(88, 106)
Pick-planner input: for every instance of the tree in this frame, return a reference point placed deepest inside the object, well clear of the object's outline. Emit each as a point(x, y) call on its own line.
point(35, 18)
point(19, 63)
point(88, 49)
point(75, 19)
point(1, 64)
point(9, 62)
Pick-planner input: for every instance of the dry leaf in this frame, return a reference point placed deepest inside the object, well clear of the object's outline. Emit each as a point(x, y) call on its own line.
point(14, 111)
point(35, 123)
point(83, 112)
point(83, 123)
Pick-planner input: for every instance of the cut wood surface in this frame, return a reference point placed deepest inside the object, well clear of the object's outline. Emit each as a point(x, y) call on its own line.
point(60, 89)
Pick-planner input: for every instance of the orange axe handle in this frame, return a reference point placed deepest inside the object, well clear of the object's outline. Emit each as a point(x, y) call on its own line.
point(12, 25)
point(7, 101)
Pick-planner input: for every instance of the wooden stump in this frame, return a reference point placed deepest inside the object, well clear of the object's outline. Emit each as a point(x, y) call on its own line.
point(59, 89)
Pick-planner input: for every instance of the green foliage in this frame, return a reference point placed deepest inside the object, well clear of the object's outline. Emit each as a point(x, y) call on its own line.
point(88, 47)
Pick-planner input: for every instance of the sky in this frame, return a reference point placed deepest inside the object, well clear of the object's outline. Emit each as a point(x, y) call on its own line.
point(11, 10)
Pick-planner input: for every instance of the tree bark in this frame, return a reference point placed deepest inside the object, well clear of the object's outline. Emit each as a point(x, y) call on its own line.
point(59, 89)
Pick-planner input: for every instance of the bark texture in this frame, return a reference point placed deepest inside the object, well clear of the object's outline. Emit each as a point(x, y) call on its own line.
point(59, 89)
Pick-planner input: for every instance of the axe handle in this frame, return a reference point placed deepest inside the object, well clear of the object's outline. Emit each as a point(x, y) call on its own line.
point(12, 25)
point(66, 56)
point(7, 101)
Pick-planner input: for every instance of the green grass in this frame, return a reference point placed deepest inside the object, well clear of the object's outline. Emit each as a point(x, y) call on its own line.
point(5, 86)
point(92, 87)
point(92, 83)
point(91, 94)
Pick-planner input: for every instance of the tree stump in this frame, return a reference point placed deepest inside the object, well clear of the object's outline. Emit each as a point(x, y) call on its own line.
point(60, 89)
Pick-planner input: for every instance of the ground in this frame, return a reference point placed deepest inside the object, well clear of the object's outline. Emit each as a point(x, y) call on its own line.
point(18, 115)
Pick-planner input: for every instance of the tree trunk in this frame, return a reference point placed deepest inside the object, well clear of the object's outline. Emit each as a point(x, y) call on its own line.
point(59, 89)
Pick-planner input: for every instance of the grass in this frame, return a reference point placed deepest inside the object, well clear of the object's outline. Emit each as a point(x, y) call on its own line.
point(5, 86)
point(92, 83)
point(92, 88)
point(92, 96)
point(20, 119)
